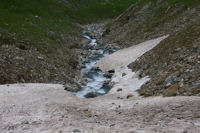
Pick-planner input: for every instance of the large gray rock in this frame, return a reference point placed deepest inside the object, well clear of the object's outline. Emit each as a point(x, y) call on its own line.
point(90, 95)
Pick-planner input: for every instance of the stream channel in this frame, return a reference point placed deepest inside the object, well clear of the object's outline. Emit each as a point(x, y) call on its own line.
point(94, 82)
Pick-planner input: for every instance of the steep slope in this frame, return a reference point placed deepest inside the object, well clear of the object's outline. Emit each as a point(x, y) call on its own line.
point(35, 37)
point(40, 39)
point(173, 65)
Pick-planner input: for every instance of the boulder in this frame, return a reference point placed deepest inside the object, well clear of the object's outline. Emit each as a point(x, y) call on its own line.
point(111, 71)
point(90, 95)
point(107, 75)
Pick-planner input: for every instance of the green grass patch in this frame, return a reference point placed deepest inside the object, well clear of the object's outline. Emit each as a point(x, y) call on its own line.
point(42, 22)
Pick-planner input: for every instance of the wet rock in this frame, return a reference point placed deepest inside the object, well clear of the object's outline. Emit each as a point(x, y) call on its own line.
point(73, 87)
point(68, 88)
point(90, 95)
point(86, 80)
point(95, 53)
point(111, 71)
point(107, 84)
point(108, 75)
point(96, 68)
point(85, 62)
point(83, 66)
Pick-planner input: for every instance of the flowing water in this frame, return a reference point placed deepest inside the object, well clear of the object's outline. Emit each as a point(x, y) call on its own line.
point(95, 85)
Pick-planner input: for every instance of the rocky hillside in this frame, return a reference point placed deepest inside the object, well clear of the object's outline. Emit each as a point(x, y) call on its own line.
point(40, 39)
point(173, 65)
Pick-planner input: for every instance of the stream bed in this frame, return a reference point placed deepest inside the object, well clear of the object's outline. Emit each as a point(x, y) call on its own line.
point(94, 82)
